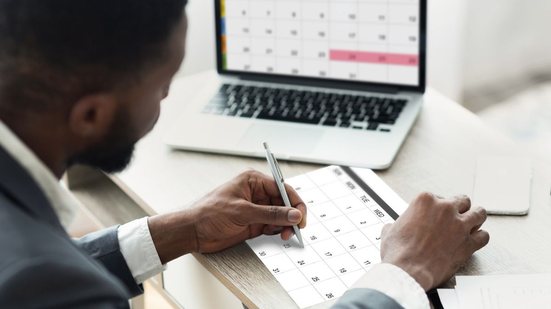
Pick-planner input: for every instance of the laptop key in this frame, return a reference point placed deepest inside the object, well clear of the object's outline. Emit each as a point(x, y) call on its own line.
point(304, 120)
point(401, 102)
point(330, 122)
point(268, 116)
point(372, 126)
point(247, 114)
point(345, 118)
point(232, 112)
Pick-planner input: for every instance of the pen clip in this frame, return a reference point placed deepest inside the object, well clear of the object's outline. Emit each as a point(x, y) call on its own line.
point(278, 170)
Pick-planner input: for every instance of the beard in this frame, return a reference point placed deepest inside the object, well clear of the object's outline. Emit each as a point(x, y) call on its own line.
point(114, 153)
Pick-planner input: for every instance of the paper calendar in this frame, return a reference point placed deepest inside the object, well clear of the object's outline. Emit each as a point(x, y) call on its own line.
point(342, 237)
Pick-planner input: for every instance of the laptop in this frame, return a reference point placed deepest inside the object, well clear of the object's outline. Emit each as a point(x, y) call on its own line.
point(328, 82)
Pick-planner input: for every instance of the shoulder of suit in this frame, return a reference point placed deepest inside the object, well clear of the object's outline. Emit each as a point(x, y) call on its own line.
point(27, 242)
point(37, 257)
point(57, 283)
point(26, 236)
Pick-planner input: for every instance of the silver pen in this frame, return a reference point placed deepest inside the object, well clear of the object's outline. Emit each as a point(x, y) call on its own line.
point(278, 177)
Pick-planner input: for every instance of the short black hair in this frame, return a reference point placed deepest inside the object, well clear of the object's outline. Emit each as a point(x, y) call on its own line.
point(51, 50)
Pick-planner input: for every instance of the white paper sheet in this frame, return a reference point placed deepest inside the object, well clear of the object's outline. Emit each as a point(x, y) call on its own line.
point(448, 298)
point(505, 291)
point(342, 239)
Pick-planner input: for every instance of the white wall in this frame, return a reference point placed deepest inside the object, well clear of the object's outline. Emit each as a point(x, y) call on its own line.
point(506, 39)
point(200, 53)
point(446, 19)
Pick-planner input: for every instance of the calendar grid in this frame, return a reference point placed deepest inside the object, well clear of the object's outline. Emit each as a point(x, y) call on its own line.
point(333, 22)
point(330, 262)
point(297, 37)
point(336, 275)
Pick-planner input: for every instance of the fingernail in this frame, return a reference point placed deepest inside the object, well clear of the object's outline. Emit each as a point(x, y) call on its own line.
point(294, 215)
point(277, 231)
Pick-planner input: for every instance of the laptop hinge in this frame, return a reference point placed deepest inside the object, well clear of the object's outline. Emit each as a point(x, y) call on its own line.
point(323, 84)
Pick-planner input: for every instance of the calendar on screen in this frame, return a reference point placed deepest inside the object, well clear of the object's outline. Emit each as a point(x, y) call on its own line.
point(341, 239)
point(354, 40)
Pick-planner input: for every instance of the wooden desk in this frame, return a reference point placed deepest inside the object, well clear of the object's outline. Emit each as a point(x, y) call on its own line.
point(439, 156)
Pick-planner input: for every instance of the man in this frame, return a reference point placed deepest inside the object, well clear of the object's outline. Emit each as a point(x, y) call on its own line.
point(81, 82)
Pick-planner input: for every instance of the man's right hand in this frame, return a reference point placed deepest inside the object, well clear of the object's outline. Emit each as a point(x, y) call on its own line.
point(434, 238)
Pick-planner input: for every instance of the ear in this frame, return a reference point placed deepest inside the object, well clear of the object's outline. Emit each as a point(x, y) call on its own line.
point(91, 117)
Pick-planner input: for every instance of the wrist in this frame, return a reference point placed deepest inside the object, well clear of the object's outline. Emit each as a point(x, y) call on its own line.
point(419, 273)
point(423, 277)
point(173, 235)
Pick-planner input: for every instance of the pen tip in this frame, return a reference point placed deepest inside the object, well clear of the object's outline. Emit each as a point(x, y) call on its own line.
point(265, 145)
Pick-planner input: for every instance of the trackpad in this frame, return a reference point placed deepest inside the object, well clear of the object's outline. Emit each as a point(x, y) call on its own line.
point(283, 140)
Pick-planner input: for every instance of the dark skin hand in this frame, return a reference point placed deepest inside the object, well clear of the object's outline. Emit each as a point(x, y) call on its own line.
point(246, 207)
point(434, 238)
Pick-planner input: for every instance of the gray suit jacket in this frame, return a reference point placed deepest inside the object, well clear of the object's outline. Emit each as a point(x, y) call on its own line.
point(41, 266)
point(365, 299)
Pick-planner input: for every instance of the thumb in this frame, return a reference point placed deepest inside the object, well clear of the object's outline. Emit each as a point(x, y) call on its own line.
point(275, 215)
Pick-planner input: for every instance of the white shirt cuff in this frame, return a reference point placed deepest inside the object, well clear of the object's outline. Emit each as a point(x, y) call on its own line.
point(396, 284)
point(138, 250)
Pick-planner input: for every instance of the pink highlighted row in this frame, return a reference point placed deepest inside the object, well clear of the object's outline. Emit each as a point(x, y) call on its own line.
point(371, 57)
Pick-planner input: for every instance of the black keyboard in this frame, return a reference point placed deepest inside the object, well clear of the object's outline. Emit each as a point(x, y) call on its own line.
point(309, 107)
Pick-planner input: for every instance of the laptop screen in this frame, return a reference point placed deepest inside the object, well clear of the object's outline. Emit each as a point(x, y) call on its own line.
point(363, 41)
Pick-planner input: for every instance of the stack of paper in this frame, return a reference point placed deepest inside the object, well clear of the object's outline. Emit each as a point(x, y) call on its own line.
point(498, 292)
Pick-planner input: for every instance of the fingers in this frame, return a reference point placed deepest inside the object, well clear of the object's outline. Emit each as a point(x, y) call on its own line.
point(287, 233)
point(476, 228)
point(480, 239)
point(461, 203)
point(274, 215)
point(302, 208)
point(270, 189)
point(297, 202)
point(475, 217)
point(272, 229)
point(268, 185)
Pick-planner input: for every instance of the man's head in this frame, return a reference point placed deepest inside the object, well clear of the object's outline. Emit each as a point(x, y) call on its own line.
point(90, 74)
